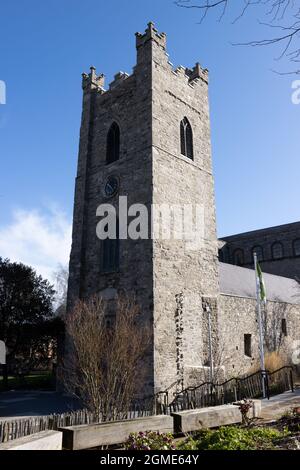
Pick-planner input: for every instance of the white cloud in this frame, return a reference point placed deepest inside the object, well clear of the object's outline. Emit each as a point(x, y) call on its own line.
point(39, 239)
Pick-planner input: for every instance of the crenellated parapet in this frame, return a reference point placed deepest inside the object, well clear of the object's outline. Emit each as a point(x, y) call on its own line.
point(192, 75)
point(92, 81)
point(189, 76)
point(197, 73)
point(118, 79)
point(151, 33)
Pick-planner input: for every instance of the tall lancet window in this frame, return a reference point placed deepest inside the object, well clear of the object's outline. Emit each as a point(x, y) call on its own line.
point(186, 139)
point(113, 144)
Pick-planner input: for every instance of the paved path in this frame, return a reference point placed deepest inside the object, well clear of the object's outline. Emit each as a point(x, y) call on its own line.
point(279, 404)
point(18, 404)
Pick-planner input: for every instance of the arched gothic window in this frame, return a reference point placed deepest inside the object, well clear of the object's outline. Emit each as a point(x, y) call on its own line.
point(277, 250)
point(113, 144)
point(186, 139)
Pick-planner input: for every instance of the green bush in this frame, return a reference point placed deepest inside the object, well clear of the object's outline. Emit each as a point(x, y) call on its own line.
point(150, 440)
point(233, 438)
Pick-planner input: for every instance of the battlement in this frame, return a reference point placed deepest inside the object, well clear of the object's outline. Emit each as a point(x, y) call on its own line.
point(119, 78)
point(151, 34)
point(192, 75)
point(189, 76)
point(197, 72)
point(92, 81)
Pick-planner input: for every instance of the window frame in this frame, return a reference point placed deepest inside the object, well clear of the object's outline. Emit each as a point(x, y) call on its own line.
point(272, 250)
point(186, 139)
point(297, 240)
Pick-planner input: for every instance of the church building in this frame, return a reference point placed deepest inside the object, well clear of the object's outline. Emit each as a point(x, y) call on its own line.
point(146, 137)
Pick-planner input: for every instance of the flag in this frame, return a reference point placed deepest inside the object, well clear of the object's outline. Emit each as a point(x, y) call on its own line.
point(262, 287)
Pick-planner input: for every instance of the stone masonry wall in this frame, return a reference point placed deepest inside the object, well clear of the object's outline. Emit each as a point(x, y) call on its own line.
point(178, 271)
point(237, 317)
point(129, 104)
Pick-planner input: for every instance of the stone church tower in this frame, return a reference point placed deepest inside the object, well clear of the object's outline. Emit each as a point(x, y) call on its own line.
point(148, 138)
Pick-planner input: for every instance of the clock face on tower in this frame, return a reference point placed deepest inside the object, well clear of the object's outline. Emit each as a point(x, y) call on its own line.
point(111, 186)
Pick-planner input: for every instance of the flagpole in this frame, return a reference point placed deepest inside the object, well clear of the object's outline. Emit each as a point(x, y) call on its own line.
point(260, 326)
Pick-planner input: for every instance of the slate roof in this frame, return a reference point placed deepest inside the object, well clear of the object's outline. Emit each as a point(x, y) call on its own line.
point(235, 280)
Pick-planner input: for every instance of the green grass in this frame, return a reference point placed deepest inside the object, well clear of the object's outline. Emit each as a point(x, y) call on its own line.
point(39, 381)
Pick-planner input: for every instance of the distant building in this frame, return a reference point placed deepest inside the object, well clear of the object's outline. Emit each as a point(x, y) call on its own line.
point(278, 249)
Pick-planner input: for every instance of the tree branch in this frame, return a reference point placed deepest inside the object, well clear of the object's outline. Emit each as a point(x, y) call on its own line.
point(286, 13)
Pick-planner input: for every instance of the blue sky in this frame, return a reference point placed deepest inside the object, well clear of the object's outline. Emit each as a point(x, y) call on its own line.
point(44, 48)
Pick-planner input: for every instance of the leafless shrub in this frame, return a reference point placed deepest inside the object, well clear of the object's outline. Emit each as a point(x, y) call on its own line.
point(273, 361)
point(272, 325)
point(104, 363)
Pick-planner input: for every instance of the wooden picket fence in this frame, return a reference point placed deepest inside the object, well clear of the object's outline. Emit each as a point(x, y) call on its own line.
point(14, 429)
point(205, 394)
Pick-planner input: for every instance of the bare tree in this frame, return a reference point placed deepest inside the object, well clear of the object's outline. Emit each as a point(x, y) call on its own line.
point(223, 360)
point(272, 325)
point(104, 366)
point(281, 16)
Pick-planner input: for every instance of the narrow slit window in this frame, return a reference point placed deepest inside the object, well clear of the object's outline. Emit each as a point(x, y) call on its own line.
point(247, 345)
point(284, 327)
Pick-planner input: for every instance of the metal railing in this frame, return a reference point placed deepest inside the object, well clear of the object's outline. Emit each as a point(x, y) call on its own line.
point(279, 381)
point(232, 390)
point(163, 397)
